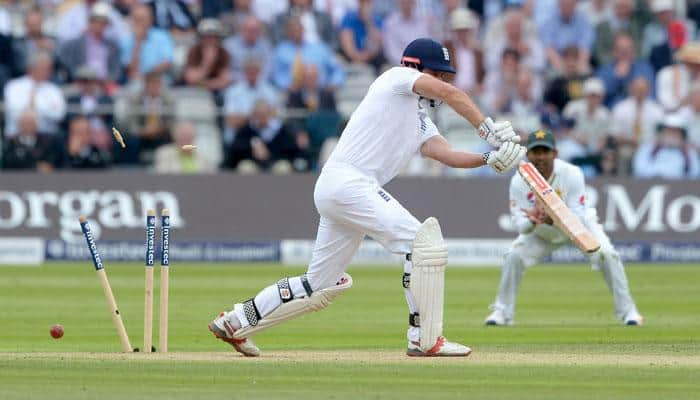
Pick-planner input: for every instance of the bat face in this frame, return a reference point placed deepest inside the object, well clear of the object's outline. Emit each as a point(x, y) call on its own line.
point(555, 207)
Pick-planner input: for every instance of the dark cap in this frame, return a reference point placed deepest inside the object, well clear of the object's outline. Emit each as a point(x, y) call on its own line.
point(542, 137)
point(427, 53)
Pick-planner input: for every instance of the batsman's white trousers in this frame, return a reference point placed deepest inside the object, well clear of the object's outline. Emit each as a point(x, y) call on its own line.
point(529, 249)
point(353, 205)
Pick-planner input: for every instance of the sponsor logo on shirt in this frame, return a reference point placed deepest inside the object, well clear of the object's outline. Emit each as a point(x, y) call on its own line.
point(384, 196)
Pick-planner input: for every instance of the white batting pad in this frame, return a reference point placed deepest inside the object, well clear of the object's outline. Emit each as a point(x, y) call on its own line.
point(428, 280)
point(293, 308)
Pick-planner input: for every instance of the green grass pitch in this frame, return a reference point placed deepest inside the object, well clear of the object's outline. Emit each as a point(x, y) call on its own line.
point(566, 344)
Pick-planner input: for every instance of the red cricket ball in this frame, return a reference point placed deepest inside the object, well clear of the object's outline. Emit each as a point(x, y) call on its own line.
point(57, 331)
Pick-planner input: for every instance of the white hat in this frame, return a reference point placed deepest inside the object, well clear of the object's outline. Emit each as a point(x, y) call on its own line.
point(101, 10)
point(462, 18)
point(593, 86)
point(661, 5)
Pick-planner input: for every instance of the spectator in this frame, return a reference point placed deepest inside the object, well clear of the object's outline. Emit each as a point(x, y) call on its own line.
point(662, 54)
point(668, 154)
point(173, 159)
point(361, 37)
point(30, 149)
point(495, 30)
point(596, 11)
point(656, 32)
point(465, 50)
point(634, 120)
point(73, 22)
point(515, 37)
point(250, 42)
point(233, 18)
point(622, 19)
point(151, 118)
point(208, 63)
point(147, 49)
point(93, 48)
point(172, 15)
point(624, 69)
point(317, 25)
point(674, 81)
point(691, 115)
point(526, 101)
point(568, 85)
point(590, 115)
point(34, 91)
point(568, 144)
point(81, 153)
point(241, 97)
point(34, 40)
point(566, 28)
point(266, 143)
point(215, 8)
point(268, 10)
point(337, 9)
point(322, 120)
point(92, 103)
point(500, 83)
point(290, 56)
point(7, 60)
point(400, 28)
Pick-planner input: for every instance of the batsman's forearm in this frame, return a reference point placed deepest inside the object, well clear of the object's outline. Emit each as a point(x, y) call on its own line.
point(464, 106)
point(459, 159)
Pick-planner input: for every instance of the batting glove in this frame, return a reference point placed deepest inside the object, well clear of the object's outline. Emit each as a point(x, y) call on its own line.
point(505, 158)
point(497, 133)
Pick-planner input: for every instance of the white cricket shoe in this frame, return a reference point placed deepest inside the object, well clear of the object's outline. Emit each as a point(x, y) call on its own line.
point(633, 318)
point(498, 318)
point(442, 348)
point(222, 329)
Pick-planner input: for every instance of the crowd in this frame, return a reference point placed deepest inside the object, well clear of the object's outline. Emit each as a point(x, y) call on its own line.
point(264, 85)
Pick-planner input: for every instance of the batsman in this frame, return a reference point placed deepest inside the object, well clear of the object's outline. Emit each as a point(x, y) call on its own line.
point(388, 128)
point(538, 238)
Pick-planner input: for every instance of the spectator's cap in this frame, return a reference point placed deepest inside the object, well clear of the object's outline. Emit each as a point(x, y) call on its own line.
point(541, 138)
point(100, 11)
point(86, 73)
point(555, 121)
point(593, 86)
point(673, 121)
point(661, 5)
point(210, 27)
point(515, 3)
point(427, 53)
point(462, 18)
point(689, 53)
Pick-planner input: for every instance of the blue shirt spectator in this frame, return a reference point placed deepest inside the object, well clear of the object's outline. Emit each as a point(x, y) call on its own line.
point(293, 53)
point(617, 75)
point(240, 98)
point(156, 48)
point(354, 22)
point(568, 27)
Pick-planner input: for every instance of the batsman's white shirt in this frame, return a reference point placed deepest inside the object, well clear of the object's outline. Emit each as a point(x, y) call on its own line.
point(386, 130)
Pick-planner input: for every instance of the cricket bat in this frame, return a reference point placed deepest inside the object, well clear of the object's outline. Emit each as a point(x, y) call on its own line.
point(555, 207)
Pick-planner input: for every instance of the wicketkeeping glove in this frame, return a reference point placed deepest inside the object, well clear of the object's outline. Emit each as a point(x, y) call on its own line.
point(497, 133)
point(506, 157)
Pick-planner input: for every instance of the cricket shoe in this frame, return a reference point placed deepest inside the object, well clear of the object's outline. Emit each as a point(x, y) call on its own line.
point(633, 318)
point(442, 348)
point(498, 318)
point(223, 330)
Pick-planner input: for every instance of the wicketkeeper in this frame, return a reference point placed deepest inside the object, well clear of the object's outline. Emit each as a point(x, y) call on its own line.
point(387, 129)
point(538, 238)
